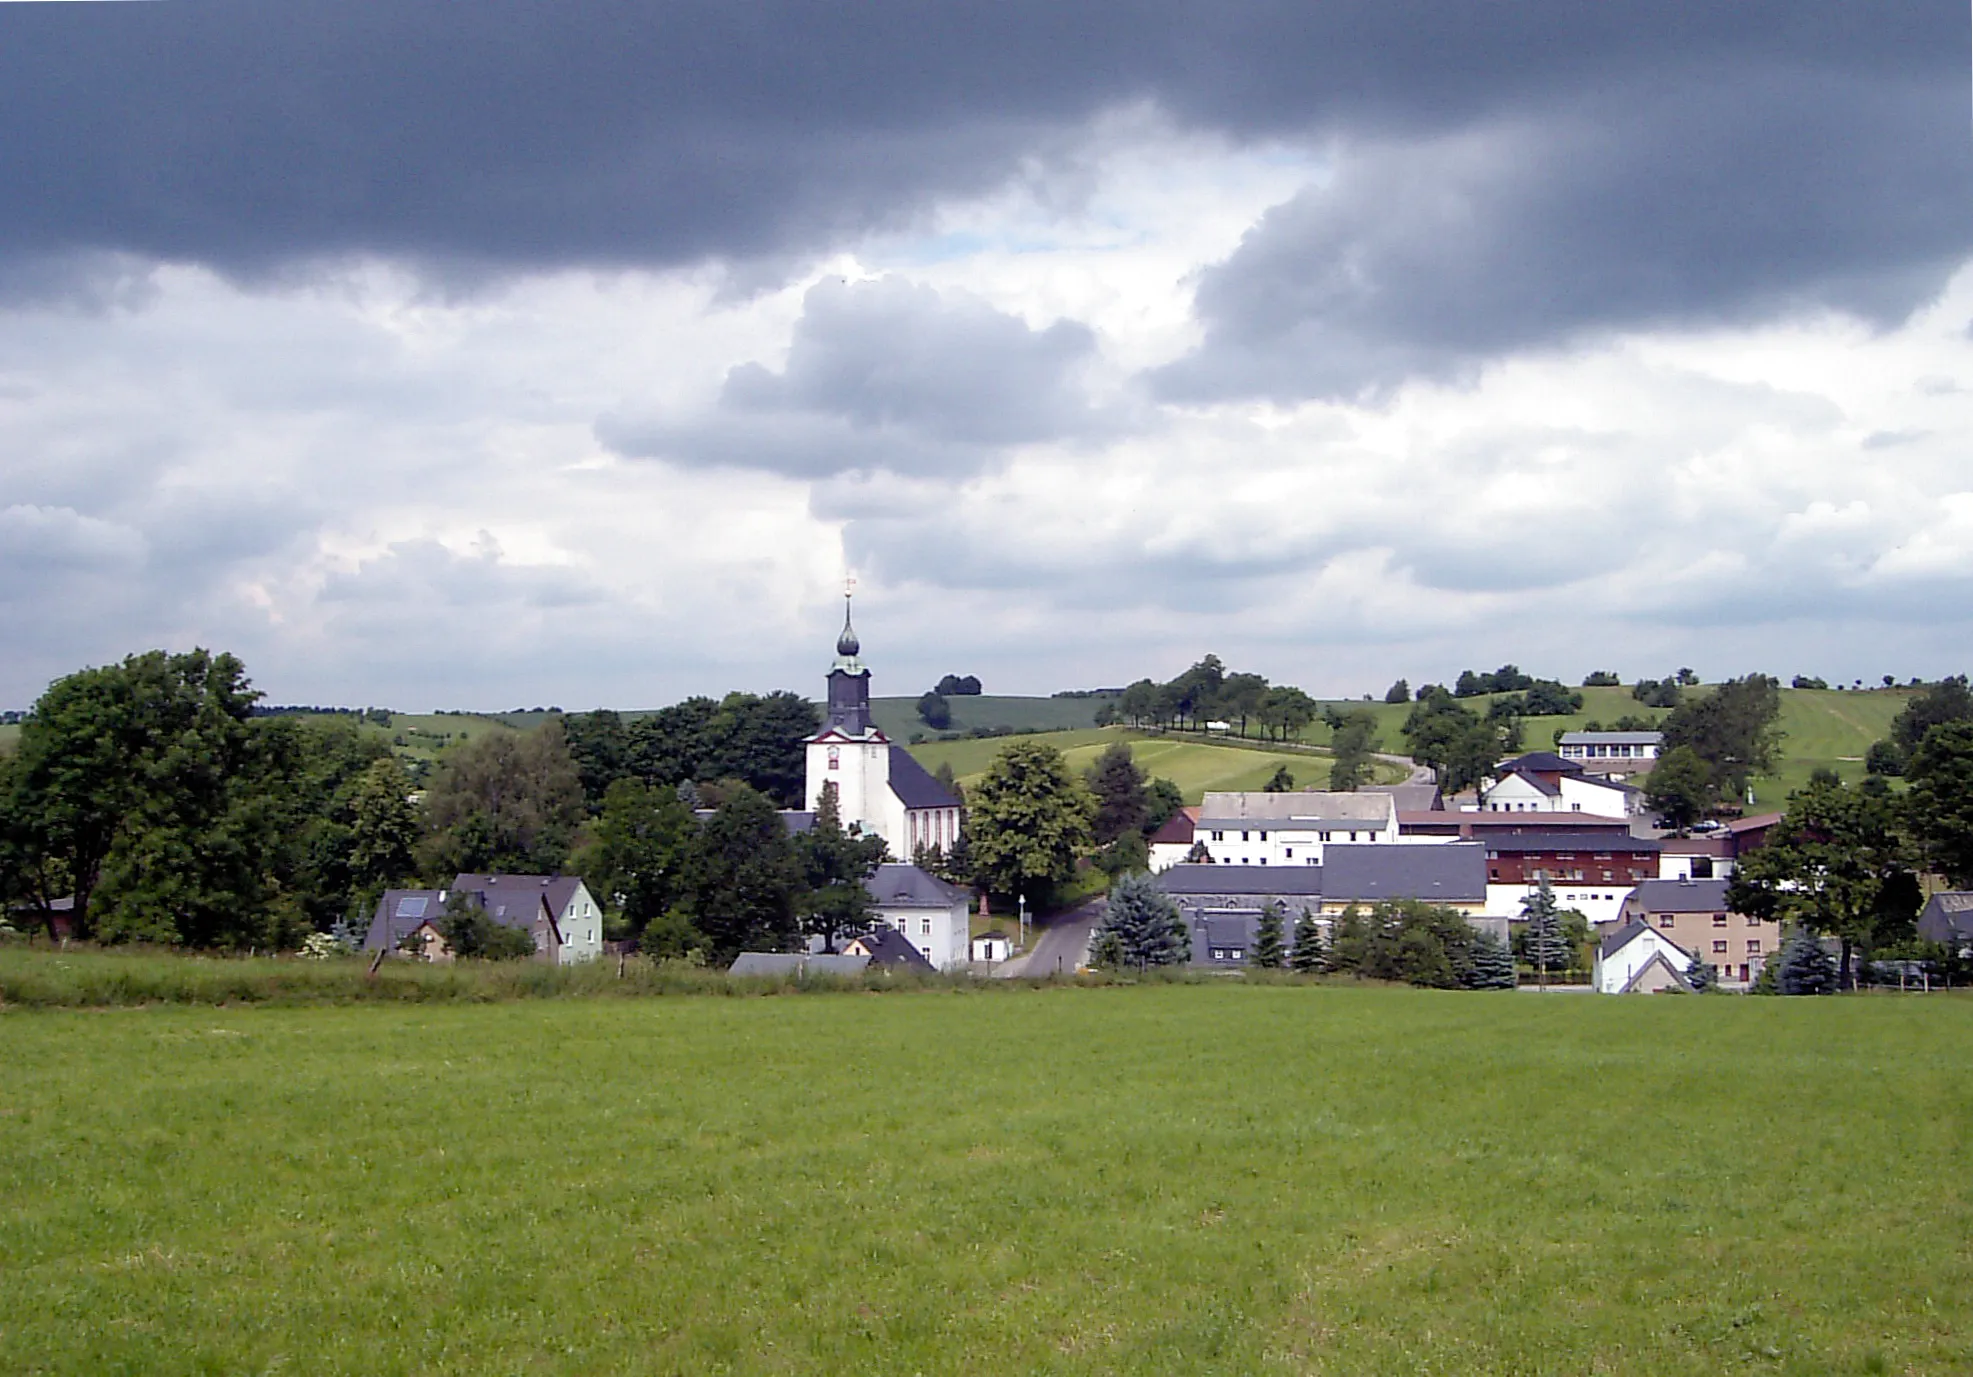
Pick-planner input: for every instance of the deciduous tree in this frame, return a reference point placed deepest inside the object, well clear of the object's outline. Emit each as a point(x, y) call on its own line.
point(835, 863)
point(1679, 788)
point(1940, 801)
point(1122, 796)
point(746, 878)
point(1732, 729)
point(1030, 819)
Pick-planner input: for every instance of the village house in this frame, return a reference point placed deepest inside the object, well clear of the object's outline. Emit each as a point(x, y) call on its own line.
point(1172, 843)
point(936, 917)
point(557, 911)
point(1592, 872)
point(1947, 919)
point(1694, 914)
point(1291, 828)
point(887, 947)
point(1543, 782)
point(1639, 959)
point(1619, 754)
point(1222, 904)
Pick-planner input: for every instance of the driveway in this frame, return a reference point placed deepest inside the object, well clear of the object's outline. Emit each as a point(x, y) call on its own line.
point(1059, 947)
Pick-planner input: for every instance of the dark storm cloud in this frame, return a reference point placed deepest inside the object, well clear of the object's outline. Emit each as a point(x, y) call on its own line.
point(884, 375)
point(522, 132)
point(1702, 203)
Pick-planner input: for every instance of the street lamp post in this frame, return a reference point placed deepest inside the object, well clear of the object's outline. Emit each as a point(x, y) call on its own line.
point(1024, 922)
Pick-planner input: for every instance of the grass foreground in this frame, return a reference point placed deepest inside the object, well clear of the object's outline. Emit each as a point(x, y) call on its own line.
point(1187, 1178)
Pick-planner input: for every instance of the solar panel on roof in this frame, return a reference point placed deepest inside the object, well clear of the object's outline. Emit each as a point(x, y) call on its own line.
point(412, 907)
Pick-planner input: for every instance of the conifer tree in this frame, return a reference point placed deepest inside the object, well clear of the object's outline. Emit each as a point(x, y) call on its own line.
point(1543, 943)
point(1269, 951)
point(1308, 955)
point(1141, 926)
point(1699, 976)
point(1492, 964)
point(1805, 967)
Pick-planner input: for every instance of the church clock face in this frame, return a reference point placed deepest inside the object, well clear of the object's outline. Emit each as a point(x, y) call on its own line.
point(835, 758)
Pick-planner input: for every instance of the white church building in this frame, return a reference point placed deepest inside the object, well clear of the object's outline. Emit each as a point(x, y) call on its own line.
point(878, 785)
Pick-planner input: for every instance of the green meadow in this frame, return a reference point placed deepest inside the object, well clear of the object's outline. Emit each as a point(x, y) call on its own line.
point(1194, 765)
point(1212, 1178)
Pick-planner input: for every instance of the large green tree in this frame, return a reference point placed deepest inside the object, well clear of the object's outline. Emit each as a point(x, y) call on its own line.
point(1940, 801)
point(1837, 863)
point(1949, 700)
point(746, 878)
point(1410, 941)
point(638, 860)
point(1121, 793)
point(1679, 788)
point(1354, 737)
point(504, 801)
point(1030, 818)
point(1733, 729)
point(1459, 744)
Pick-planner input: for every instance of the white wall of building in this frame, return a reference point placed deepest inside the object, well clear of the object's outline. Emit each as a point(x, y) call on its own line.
point(1601, 904)
point(942, 935)
point(1614, 971)
point(581, 926)
point(861, 772)
point(1516, 794)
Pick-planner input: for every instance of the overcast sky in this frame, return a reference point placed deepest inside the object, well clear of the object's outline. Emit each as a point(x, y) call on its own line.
point(574, 351)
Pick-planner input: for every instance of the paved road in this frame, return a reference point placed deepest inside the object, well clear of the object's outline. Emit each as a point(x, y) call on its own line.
point(1060, 947)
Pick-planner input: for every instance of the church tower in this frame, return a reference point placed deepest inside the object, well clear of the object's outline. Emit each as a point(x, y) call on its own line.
point(879, 787)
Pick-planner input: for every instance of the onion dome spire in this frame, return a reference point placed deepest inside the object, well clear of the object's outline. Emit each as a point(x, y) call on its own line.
point(847, 645)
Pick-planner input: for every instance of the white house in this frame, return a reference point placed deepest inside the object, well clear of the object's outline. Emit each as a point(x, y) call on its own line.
point(1172, 842)
point(1612, 753)
point(934, 915)
point(1291, 828)
point(879, 787)
point(1638, 959)
point(1542, 782)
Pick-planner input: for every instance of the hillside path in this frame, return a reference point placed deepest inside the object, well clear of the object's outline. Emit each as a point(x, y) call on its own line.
point(1060, 947)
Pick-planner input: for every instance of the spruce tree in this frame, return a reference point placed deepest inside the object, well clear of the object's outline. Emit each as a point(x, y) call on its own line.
point(1308, 955)
point(1269, 951)
point(1805, 967)
point(1700, 976)
point(1544, 944)
point(1492, 964)
point(1141, 926)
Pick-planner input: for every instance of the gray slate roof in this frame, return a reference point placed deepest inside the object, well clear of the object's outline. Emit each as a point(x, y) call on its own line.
point(1680, 896)
point(795, 964)
point(889, 947)
point(398, 915)
point(1621, 938)
point(906, 886)
point(914, 786)
point(1546, 761)
point(516, 900)
point(1296, 809)
point(1298, 881)
point(1448, 872)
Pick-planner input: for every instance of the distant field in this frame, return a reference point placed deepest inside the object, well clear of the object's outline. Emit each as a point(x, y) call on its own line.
point(10, 735)
point(1212, 1179)
point(898, 717)
point(1194, 766)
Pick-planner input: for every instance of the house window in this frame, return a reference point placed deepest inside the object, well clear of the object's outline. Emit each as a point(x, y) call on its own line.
point(1219, 836)
point(1719, 947)
point(1665, 921)
point(1245, 837)
point(1719, 920)
point(835, 758)
point(1753, 946)
point(1752, 921)
point(1289, 853)
point(924, 927)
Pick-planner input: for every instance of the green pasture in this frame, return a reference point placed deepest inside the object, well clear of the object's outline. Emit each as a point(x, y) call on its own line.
point(1194, 765)
point(898, 718)
point(1163, 1179)
point(10, 735)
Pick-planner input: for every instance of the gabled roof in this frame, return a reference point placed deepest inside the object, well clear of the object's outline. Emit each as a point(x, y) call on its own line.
point(398, 915)
point(886, 947)
point(1680, 896)
point(906, 886)
point(1409, 798)
point(1656, 961)
point(1451, 872)
point(517, 900)
point(1546, 761)
point(1947, 917)
point(914, 785)
point(1529, 778)
point(1623, 937)
point(1178, 829)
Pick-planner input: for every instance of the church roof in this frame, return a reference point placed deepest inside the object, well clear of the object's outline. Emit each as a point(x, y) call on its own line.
point(914, 785)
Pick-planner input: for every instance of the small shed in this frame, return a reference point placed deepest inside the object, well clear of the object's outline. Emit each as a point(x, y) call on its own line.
point(992, 947)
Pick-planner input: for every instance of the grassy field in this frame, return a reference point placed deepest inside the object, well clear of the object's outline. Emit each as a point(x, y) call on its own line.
point(1213, 1179)
point(10, 735)
point(1194, 766)
point(898, 717)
